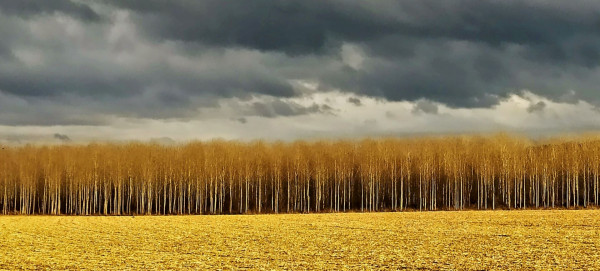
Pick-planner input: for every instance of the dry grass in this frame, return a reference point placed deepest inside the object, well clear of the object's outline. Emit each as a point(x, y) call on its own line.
point(437, 240)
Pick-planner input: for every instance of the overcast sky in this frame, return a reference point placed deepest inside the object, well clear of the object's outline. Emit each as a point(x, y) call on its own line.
point(182, 70)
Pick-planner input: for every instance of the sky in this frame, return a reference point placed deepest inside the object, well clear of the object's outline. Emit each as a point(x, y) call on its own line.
point(170, 71)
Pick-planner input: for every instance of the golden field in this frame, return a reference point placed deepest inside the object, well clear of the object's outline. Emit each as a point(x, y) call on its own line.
point(519, 240)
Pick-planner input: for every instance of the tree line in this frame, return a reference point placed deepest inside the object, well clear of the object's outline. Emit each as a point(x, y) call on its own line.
point(229, 177)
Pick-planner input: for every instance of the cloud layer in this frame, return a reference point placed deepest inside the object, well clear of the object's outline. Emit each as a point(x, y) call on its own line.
point(94, 63)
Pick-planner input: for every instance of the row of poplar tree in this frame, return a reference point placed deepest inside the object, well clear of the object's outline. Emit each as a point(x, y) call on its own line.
point(228, 177)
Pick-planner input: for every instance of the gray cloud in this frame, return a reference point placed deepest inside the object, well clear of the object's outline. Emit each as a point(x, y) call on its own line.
point(32, 7)
point(56, 80)
point(425, 106)
point(87, 63)
point(463, 53)
point(355, 101)
point(293, 27)
point(536, 107)
point(307, 26)
point(276, 108)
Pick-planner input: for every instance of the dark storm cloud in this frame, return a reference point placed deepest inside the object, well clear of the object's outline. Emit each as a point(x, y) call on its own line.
point(414, 46)
point(162, 60)
point(461, 75)
point(81, 76)
point(34, 7)
point(307, 26)
point(47, 112)
point(276, 108)
point(293, 27)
